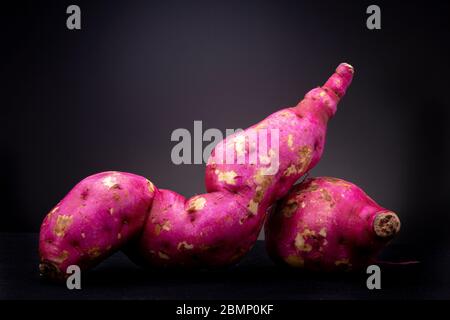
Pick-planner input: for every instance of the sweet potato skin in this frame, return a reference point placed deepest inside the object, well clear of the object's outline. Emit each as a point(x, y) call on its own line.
point(218, 228)
point(99, 215)
point(328, 224)
point(195, 232)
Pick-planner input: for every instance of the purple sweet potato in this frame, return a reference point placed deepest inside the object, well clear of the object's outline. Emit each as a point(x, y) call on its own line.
point(99, 215)
point(328, 224)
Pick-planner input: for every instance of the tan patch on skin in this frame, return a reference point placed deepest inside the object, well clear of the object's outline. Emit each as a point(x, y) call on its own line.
point(162, 255)
point(252, 207)
point(50, 214)
point(290, 170)
point(285, 113)
point(62, 223)
point(260, 178)
point(164, 226)
point(227, 176)
point(259, 194)
point(325, 195)
point(295, 261)
point(157, 229)
point(116, 197)
point(195, 204)
point(340, 262)
point(338, 82)
point(110, 182)
point(240, 145)
point(263, 182)
point(300, 240)
point(300, 243)
point(311, 188)
point(150, 186)
point(185, 245)
point(305, 157)
point(261, 125)
point(62, 257)
point(94, 252)
point(289, 208)
point(323, 232)
point(331, 179)
point(290, 141)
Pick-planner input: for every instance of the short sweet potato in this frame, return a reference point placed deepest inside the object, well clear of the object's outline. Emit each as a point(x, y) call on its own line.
point(99, 215)
point(328, 224)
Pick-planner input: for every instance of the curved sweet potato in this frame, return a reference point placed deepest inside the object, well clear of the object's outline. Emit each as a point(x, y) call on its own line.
point(218, 228)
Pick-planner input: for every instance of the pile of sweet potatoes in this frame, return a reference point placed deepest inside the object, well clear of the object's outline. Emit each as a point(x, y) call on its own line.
point(321, 224)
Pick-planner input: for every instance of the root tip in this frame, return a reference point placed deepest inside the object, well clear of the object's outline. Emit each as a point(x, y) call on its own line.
point(386, 224)
point(345, 70)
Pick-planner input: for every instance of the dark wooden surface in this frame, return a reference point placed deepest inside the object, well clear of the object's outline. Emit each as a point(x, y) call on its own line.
point(255, 277)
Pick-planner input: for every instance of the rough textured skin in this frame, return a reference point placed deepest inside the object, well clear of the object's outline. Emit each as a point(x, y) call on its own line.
point(99, 215)
point(218, 228)
point(328, 224)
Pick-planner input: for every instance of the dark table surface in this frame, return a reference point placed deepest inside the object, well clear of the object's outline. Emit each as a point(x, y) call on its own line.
point(255, 277)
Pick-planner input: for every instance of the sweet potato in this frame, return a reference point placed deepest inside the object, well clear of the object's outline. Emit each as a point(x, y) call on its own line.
point(99, 215)
point(328, 224)
point(218, 228)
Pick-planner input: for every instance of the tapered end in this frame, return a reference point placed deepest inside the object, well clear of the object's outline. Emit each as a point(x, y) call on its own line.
point(327, 97)
point(386, 224)
point(340, 80)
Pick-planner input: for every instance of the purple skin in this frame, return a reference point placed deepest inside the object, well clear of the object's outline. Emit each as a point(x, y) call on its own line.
point(95, 219)
point(328, 224)
point(218, 228)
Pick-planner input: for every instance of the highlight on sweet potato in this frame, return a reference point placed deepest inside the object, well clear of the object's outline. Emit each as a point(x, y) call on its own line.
point(219, 227)
point(328, 224)
point(99, 215)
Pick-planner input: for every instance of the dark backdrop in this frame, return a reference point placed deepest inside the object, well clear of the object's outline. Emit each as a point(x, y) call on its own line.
point(108, 97)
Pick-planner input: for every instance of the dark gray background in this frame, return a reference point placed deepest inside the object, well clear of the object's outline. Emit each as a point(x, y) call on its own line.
point(109, 96)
